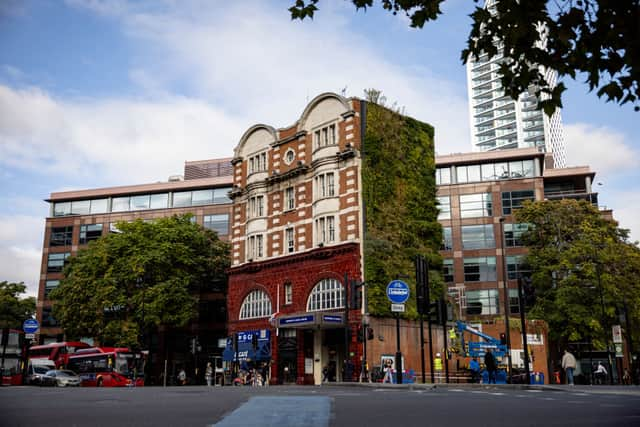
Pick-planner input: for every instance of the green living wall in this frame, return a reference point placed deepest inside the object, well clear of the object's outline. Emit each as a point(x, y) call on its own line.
point(399, 190)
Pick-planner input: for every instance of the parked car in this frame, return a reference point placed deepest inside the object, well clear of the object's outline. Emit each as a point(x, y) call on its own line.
point(64, 378)
point(37, 375)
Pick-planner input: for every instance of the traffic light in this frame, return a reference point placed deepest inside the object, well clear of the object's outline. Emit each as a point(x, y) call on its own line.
point(439, 311)
point(369, 333)
point(422, 285)
point(355, 294)
point(528, 291)
point(503, 339)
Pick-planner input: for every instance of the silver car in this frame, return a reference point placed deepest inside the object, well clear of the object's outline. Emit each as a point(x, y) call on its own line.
point(65, 378)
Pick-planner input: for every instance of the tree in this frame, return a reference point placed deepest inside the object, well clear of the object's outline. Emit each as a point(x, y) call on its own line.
point(584, 270)
point(144, 276)
point(597, 39)
point(13, 309)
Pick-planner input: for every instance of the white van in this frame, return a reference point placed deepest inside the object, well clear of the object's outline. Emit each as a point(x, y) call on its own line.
point(36, 372)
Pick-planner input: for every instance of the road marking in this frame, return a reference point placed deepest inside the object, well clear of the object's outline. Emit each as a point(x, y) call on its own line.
point(548, 398)
point(533, 391)
point(457, 390)
point(579, 402)
point(280, 412)
point(497, 394)
point(580, 394)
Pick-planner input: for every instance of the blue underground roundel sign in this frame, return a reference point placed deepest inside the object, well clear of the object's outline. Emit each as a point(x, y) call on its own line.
point(398, 292)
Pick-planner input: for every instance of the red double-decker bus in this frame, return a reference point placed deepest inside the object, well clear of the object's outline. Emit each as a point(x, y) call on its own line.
point(11, 342)
point(58, 352)
point(108, 367)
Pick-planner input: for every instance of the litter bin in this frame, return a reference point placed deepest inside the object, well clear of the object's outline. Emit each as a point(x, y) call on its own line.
point(537, 378)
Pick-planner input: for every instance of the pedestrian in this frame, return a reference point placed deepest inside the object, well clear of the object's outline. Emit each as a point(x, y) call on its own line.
point(182, 377)
point(601, 374)
point(568, 364)
point(437, 366)
point(474, 367)
point(490, 366)
point(388, 371)
point(626, 378)
point(325, 374)
point(208, 374)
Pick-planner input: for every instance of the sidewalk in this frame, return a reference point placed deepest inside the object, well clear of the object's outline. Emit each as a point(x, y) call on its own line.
point(623, 390)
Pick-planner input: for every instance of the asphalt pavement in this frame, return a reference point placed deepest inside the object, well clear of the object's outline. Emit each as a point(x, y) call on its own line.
point(336, 405)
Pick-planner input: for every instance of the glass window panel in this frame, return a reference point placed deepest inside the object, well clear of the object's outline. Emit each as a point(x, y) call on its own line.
point(90, 232)
point(443, 176)
point(80, 207)
point(120, 204)
point(139, 202)
point(218, 223)
point(513, 234)
point(201, 197)
point(447, 239)
point(159, 201)
point(514, 306)
point(61, 236)
point(447, 270)
point(55, 262)
point(182, 198)
point(62, 209)
point(473, 173)
point(482, 269)
point(99, 206)
point(50, 285)
point(461, 174)
point(515, 168)
point(476, 205)
point(528, 168)
point(478, 237)
point(488, 172)
point(444, 206)
point(326, 295)
point(483, 301)
point(221, 195)
point(502, 170)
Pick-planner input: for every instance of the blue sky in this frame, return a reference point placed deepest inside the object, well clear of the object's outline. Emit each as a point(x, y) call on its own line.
point(100, 93)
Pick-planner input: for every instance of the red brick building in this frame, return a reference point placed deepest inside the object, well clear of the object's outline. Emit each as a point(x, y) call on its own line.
point(296, 235)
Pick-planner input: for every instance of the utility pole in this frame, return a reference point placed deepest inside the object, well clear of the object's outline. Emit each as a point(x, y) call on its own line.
point(524, 332)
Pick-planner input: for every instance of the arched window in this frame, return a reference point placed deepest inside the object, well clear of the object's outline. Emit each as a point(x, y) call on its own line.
point(326, 295)
point(256, 304)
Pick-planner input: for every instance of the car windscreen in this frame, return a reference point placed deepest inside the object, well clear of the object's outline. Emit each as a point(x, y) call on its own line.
point(67, 374)
point(40, 369)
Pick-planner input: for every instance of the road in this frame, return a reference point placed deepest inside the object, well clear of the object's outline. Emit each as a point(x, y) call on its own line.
point(318, 406)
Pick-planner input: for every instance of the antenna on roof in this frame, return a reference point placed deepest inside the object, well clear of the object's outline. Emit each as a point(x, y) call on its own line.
point(343, 92)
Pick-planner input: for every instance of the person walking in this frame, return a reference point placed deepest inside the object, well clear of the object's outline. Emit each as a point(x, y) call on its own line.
point(490, 366)
point(208, 374)
point(601, 374)
point(388, 372)
point(474, 367)
point(182, 377)
point(568, 364)
point(437, 366)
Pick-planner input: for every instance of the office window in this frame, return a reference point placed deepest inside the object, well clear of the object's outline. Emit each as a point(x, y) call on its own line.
point(258, 163)
point(120, 204)
point(289, 238)
point(255, 249)
point(514, 301)
point(326, 295)
point(90, 232)
point(483, 301)
point(181, 199)
point(61, 236)
point(290, 198)
point(288, 293)
point(159, 201)
point(447, 239)
point(444, 206)
point(256, 304)
point(481, 269)
point(517, 266)
point(443, 176)
point(48, 321)
point(470, 173)
point(81, 207)
point(56, 262)
point(476, 205)
point(201, 197)
point(99, 206)
point(50, 285)
point(221, 195)
point(512, 200)
point(218, 223)
point(478, 237)
point(62, 209)
point(139, 202)
point(513, 234)
point(325, 229)
point(447, 270)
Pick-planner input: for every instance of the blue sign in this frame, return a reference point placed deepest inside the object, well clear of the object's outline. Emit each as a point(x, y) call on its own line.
point(332, 319)
point(298, 319)
point(30, 326)
point(397, 292)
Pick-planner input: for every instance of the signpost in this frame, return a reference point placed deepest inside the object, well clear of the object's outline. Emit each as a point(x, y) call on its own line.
point(398, 294)
point(30, 327)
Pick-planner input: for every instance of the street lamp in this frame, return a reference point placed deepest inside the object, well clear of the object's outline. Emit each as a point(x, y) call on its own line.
point(505, 280)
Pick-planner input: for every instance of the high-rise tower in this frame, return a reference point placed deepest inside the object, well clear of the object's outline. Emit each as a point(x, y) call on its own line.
point(498, 122)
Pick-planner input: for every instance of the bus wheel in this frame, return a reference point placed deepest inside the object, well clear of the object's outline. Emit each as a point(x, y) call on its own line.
point(99, 383)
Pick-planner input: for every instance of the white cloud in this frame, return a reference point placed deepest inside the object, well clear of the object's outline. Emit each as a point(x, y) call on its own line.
point(21, 251)
point(602, 148)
